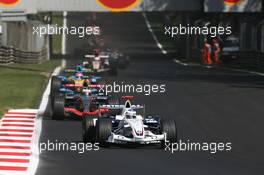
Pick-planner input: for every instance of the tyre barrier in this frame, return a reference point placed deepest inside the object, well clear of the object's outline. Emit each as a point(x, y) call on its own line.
point(9, 54)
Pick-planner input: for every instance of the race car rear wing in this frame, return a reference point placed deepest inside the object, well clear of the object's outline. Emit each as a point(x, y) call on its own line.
point(84, 70)
point(89, 86)
point(122, 106)
point(93, 56)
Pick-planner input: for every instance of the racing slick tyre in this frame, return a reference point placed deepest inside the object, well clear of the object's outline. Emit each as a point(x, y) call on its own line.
point(169, 127)
point(55, 85)
point(103, 131)
point(89, 129)
point(58, 105)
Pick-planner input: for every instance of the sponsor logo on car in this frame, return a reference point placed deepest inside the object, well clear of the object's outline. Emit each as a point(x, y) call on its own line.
point(118, 5)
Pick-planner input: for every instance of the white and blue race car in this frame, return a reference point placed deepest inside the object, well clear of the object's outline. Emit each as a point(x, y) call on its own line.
point(128, 126)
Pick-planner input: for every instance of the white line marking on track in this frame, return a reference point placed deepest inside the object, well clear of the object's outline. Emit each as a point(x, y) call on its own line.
point(244, 71)
point(34, 158)
point(153, 34)
point(180, 62)
point(186, 64)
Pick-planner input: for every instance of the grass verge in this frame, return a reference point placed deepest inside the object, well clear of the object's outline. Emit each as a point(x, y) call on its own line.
point(21, 85)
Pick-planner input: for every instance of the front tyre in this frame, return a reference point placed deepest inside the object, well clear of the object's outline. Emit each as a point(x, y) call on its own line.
point(58, 107)
point(89, 129)
point(55, 85)
point(169, 128)
point(103, 130)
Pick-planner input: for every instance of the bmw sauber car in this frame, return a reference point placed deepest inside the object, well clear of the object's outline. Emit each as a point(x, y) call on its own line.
point(131, 127)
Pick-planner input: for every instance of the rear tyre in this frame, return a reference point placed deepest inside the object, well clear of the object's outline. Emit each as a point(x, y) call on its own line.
point(89, 129)
point(55, 85)
point(169, 127)
point(58, 107)
point(103, 131)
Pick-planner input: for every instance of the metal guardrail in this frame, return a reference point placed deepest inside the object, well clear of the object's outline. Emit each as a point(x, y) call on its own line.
point(9, 54)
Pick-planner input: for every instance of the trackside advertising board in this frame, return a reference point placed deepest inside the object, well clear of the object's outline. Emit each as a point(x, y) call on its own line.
point(119, 5)
point(18, 6)
point(233, 5)
point(33, 6)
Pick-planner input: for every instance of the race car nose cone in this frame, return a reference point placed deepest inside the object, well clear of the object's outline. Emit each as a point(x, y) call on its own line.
point(139, 133)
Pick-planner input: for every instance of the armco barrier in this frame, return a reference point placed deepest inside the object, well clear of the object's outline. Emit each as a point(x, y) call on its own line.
point(9, 54)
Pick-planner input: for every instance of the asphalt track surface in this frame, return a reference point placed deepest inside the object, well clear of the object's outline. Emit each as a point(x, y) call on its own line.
point(209, 105)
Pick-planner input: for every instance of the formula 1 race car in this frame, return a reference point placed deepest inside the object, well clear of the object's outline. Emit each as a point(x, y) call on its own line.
point(85, 103)
point(129, 127)
point(122, 60)
point(99, 63)
point(77, 80)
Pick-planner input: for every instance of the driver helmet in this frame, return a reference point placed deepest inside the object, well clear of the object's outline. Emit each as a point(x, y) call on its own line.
point(130, 114)
point(96, 53)
point(79, 76)
point(79, 68)
point(87, 92)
